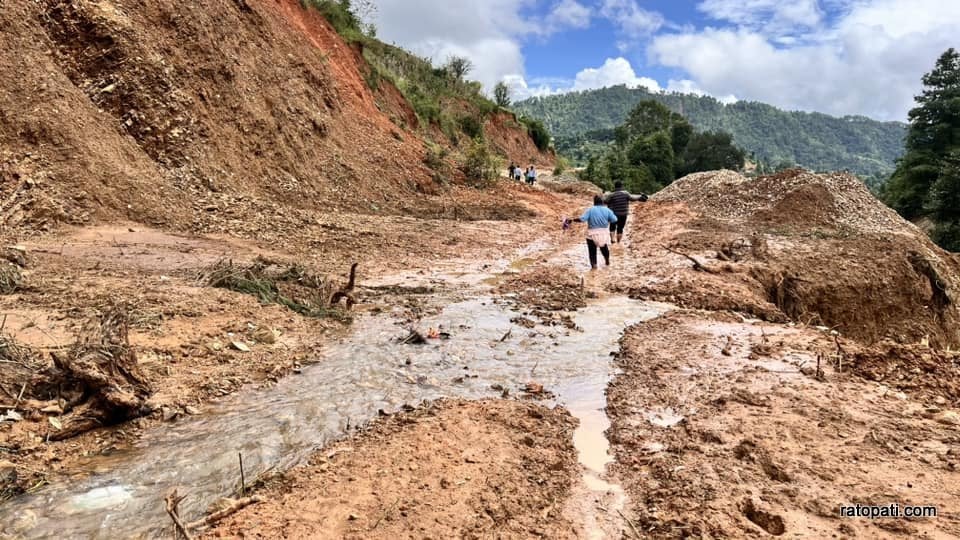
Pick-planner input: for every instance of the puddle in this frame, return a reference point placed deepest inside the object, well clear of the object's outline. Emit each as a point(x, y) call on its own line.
point(369, 370)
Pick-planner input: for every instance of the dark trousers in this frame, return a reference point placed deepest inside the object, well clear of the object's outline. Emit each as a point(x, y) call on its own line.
point(620, 224)
point(592, 250)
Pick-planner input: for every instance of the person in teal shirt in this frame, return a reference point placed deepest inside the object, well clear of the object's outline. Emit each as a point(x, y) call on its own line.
point(598, 219)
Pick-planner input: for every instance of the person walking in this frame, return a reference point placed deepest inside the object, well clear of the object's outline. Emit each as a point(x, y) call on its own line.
point(510, 170)
point(598, 219)
point(531, 175)
point(619, 202)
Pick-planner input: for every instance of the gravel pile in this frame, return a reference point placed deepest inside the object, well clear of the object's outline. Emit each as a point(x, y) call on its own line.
point(791, 198)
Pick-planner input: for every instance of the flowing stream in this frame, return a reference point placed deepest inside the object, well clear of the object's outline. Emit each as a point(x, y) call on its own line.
point(120, 495)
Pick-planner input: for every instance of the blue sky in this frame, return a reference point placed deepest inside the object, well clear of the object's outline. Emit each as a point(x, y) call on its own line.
point(841, 57)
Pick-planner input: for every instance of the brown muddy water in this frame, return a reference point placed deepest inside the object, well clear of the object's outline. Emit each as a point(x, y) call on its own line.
point(121, 495)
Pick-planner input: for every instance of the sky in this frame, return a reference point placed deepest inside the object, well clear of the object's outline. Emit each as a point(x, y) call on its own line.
point(841, 57)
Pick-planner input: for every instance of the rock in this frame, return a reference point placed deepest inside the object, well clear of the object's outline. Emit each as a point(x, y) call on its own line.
point(52, 409)
point(8, 472)
point(533, 388)
point(168, 414)
point(240, 346)
point(950, 418)
point(191, 410)
point(11, 416)
point(215, 346)
point(265, 335)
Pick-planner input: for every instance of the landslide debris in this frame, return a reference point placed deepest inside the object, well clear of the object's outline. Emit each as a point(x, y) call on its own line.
point(243, 118)
point(818, 249)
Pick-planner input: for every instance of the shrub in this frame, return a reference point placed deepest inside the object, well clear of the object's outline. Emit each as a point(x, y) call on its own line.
point(340, 16)
point(538, 132)
point(481, 167)
point(471, 126)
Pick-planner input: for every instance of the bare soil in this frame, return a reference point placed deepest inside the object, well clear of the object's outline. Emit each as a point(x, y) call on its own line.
point(449, 470)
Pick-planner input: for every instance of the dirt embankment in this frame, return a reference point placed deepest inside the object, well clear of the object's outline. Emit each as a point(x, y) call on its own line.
point(197, 117)
point(724, 428)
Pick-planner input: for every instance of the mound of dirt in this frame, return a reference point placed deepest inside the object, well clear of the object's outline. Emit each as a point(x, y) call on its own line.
point(794, 198)
point(832, 254)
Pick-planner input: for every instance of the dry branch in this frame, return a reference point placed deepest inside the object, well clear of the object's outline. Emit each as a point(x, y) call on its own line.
point(173, 500)
point(229, 510)
point(697, 265)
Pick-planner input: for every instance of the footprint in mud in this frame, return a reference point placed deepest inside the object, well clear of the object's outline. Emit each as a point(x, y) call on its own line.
point(771, 523)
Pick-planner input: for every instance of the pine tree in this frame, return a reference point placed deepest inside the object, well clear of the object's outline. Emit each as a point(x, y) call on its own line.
point(934, 133)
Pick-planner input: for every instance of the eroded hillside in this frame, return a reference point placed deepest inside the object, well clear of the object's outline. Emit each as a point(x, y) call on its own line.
point(196, 116)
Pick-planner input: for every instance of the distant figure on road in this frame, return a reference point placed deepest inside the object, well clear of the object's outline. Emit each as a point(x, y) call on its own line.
point(511, 169)
point(598, 219)
point(531, 175)
point(518, 174)
point(619, 202)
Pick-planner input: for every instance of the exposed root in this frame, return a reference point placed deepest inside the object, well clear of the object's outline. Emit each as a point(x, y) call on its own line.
point(102, 368)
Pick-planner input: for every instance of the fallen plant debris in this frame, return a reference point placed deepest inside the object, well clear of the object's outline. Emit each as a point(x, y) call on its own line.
point(293, 287)
point(101, 376)
point(10, 278)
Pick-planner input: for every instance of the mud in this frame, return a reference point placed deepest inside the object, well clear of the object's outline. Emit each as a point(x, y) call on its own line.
point(761, 447)
point(452, 469)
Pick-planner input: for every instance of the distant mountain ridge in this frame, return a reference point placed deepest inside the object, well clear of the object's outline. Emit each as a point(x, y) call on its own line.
point(582, 121)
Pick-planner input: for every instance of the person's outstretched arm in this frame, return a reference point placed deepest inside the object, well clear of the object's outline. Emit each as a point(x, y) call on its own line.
point(639, 198)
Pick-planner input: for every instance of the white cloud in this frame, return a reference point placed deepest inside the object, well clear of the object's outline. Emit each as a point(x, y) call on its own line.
point(613, 72)
point(868, 60)
point(630, 18)
point(567, 14)
point(754, 13)
point(686, 86)
point(521, 89)
point(488, 32)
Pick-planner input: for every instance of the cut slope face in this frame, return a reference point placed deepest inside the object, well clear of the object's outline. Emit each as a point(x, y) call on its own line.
point(823, 250)
point(180, 113)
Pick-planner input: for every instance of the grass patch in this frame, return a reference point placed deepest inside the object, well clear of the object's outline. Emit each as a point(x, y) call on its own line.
point(10, 278)
point(292, 287)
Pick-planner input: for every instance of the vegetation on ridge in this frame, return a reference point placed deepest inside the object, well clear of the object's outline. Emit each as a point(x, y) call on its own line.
point(926, 183)
point(583, 122)
point(440, 96)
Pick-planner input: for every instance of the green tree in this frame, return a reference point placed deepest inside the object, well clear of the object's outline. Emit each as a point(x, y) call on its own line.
point(649, 117)
point(711, 151)
point(934, 134)
point(501, 94)
point(655, 152)
point(944, 205)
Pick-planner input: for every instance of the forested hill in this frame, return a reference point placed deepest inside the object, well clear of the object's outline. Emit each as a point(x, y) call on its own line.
point(581, 120)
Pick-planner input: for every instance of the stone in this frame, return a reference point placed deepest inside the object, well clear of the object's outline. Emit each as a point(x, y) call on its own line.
point(950, 418)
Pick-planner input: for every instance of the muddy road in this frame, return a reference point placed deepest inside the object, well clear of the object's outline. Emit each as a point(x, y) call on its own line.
point(511, 392)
